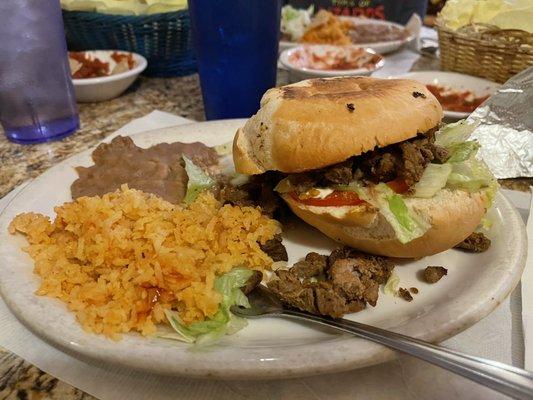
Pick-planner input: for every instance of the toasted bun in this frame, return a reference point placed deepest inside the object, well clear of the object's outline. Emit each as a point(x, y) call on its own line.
point(320, 122)
point(453, 215)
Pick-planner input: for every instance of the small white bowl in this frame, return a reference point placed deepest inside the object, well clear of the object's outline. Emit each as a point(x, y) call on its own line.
point(299, 73)
point(90, 90)
point(454, 80)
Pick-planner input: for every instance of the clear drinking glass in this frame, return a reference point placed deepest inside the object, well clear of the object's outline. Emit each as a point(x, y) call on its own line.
point(36, 96)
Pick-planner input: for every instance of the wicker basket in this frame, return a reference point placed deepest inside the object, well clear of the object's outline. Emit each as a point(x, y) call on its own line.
point(163, 39)
point(485, 51)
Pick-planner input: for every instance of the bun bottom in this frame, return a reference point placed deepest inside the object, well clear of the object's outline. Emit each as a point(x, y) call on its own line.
point(453, 215)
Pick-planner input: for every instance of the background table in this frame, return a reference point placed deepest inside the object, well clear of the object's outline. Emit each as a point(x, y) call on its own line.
point(180, 96)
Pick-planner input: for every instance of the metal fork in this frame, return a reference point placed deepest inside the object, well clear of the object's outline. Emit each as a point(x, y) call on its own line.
point(506, 379)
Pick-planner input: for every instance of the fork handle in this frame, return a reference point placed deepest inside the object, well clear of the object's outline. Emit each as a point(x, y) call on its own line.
point(506, 379)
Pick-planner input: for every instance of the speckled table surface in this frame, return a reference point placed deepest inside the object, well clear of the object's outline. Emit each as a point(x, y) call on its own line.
point(180, 96)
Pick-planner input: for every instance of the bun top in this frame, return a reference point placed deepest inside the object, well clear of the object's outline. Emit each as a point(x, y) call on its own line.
point(320, 122)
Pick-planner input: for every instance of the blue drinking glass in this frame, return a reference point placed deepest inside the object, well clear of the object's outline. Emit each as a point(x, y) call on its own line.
point(236, 44)
point(37, 101)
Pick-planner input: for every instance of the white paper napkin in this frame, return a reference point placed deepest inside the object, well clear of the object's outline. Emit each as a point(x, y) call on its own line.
point(401, 62)
point(405, 378)
point(527, 295)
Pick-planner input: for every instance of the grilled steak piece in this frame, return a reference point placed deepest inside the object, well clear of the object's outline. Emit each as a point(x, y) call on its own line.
point(404, 294)
point(252, 282)
point(477, 242)
point(257, 192)
point(314, 265)
point(340, 174)
point(293, 292)
point(336, 285)
point(433, 274)
point(275, 249)
point(234, 195)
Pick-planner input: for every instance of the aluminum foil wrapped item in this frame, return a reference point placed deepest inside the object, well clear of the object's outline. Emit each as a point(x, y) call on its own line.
point(505, 129)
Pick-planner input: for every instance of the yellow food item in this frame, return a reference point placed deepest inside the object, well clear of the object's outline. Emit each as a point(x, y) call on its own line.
point(118, 261)
point(125, 7)
point(505, 14)
point(515, 19)
point(326, 28)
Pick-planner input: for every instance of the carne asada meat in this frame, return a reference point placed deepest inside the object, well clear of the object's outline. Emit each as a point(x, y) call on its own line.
point(340, 174)
point(313, 265)
point(380, 267)
point(234, 195)
point(252, 282)
point(258, 191)
point(332, 285)
point(359, 277)
point(314, 297)
point(404, 294)
point(275, 249)
point(433, 274)
point(477, 242)
point(291, 291)
point(405, 160)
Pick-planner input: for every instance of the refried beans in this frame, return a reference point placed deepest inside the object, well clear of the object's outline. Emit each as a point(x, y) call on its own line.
point(158, 169)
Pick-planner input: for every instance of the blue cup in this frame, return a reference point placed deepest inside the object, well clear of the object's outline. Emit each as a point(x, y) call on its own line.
point(236, 44)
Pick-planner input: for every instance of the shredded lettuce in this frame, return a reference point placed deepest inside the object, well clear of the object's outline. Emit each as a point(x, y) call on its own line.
point(470, 175)
point(457, 132)
point(462, 151)
point(198, 181)
point(392, 285)
point(433, 179)
point(224, 149)
point(407, 224)
point(223, 322)
point(485, 224)
point(294, 21)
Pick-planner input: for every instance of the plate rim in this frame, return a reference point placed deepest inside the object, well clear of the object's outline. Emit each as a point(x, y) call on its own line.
point(258, 368)
point(448, 114)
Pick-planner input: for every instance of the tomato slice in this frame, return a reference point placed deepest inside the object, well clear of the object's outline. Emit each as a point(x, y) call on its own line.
point(336, 199)
point(398, 185)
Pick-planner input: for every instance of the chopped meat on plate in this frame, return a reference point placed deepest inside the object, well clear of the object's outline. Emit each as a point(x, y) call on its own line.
point(275, 249)
point(335, 285)
point(477, 242)
point(404, 294)
point(433, 274)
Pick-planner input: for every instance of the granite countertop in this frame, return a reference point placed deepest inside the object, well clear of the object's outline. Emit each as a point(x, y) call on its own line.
point(180, 96)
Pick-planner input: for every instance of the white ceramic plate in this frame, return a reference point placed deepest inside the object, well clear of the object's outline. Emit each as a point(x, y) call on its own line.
point(478, 86)
point(107, 87)
point(267, 348)
point(379, 47)
point(299, 73)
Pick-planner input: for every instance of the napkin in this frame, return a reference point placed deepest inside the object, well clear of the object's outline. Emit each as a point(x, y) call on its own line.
point(527, 296)
point(405, 378)
point(401, 62)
